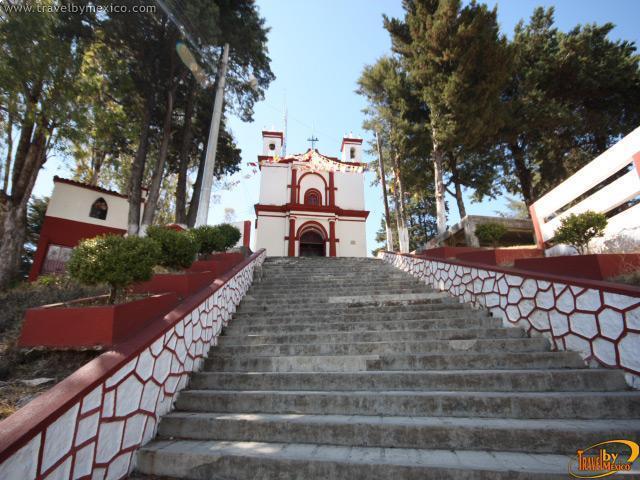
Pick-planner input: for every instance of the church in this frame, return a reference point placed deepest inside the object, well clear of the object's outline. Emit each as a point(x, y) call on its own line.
point(311, 204)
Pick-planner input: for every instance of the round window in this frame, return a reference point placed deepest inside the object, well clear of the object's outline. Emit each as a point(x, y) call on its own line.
point(272, 146)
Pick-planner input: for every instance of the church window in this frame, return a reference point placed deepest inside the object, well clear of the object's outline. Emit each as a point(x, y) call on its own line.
point(312, 197)
point(352, 153)
point(99, 209)
point(272, 146)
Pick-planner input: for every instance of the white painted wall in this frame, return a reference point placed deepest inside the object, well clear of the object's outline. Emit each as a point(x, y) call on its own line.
point(353, 238)
point(270, 235)
point(273, 184)
point(346, 152)
point(350, 193)
point(72, 202)
point(266, 143)
point(314, 180)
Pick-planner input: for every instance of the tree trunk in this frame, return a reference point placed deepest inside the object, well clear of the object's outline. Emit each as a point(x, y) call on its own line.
point(396, 172)
point(441, 213)
point(455, 178)
point(183, 165)
point(195, 197)
point(13, 208)
point(151, 204)
point(96, 166)
point(523, 173)
point(137, 170)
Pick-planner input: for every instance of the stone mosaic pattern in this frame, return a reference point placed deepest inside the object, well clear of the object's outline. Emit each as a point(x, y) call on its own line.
point(603, 326)
point(97, 437)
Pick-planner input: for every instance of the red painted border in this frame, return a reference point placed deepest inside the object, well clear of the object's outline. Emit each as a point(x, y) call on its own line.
point(32, 419)
point(578, 282)
point(273, 133)
point(57, 179)
point(246, 234)
point(289, 207)
point(347, 141)
point(536, 227)
point(636, 162)
point(286, 160)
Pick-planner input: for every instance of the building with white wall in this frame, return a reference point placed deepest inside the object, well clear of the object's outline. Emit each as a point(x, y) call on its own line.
point(311, 204)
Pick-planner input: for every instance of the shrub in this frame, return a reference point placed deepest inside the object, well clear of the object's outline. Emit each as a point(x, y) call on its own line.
point(491, 233)
point(579, 230)
point(217, 238)
point(177, 249)
point(114, 260)
point(209, 238)
point(230, 236)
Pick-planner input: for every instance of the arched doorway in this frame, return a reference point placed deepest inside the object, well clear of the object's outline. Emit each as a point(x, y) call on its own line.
point(312, 244)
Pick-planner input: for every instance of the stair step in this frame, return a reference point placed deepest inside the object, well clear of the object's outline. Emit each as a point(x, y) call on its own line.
point(477, 361)
point(390, 347)
point(390, 335)
point(284, 310)
point(577, 405)
point(239, 327)
point(507, 435)
point(359, 363)
point(308, 317)
point(451, 380)
point(204, 460)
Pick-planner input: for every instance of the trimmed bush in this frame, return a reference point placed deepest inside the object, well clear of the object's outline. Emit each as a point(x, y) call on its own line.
point(579, 230)
point(114, 260)
point(230, 236)
point(177, 249)
point(491, 233)
point(209, 238)
point(217, 238)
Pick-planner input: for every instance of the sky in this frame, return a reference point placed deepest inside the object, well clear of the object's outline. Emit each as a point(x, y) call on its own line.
point(318, 49)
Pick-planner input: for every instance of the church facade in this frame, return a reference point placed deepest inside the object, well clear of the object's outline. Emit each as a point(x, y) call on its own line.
point(311, 204)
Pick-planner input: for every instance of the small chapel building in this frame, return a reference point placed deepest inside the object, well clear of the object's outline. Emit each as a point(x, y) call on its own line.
point(311, 204)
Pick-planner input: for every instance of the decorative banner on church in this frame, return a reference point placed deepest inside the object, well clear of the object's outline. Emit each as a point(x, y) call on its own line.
point(316, 162)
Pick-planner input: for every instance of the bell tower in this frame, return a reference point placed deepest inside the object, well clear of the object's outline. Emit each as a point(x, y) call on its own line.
point(351, 149)
point(272, 143)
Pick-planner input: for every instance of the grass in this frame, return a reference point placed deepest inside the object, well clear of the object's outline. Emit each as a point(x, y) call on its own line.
point(24, 364)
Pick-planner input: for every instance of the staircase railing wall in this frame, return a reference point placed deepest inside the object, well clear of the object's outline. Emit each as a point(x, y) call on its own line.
point(599, 320)
point(91, 424)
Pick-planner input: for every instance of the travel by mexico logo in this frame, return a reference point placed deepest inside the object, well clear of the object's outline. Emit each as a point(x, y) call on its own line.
point(604, 459)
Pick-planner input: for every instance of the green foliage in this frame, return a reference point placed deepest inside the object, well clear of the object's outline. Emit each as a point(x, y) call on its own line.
point(208, 238)
point(490, 233)
point(114, 260)
point(177, 249)
point(579, 230)
point(229, 236)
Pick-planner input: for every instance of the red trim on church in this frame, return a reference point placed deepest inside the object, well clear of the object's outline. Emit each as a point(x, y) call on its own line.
point(273, 134)
point(287, 160)
point(289, 207)
point(350, 141)
point(65, 233)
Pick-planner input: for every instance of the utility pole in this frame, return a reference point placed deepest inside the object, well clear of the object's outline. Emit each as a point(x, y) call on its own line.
point(384, 196)
point(212, 143)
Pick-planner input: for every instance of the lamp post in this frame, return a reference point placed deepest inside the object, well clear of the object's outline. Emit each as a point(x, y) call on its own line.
point(212, 143)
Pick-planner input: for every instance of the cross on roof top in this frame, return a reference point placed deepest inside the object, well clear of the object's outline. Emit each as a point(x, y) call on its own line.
point(313, 141)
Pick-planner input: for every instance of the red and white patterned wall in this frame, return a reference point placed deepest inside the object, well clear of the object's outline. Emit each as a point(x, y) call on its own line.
point(96, 437)
point(601, 324)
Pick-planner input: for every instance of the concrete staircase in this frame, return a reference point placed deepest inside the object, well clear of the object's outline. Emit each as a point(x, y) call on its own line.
point(348, 368)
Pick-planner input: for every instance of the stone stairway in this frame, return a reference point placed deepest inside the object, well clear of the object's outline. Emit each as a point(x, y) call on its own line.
point(348, 368)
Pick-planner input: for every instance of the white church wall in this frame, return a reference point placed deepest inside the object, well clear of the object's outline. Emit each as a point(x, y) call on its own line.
point(270, 235)
point(313, 180)
point(74, 203)
point(350, 194)
point(353, 238)
point(273, 184)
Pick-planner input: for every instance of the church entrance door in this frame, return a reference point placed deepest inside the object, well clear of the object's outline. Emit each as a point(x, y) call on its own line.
point(312, 244)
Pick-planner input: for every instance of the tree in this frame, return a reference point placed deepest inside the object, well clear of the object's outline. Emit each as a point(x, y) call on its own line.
point(579, 230)
point(39, 66)
point(570, 97)
point(460, 62)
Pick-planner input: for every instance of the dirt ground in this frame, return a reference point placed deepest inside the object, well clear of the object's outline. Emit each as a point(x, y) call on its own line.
point(20, 365)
